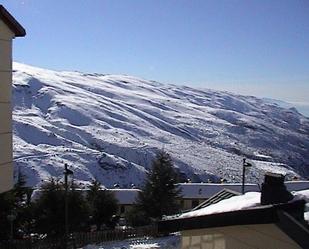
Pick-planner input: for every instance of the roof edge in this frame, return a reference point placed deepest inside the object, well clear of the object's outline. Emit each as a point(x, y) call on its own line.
point(258, 215)
point(11, 22)
point(296, 230)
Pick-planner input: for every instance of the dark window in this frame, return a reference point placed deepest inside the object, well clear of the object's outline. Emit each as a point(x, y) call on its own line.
point(182, 203)
point(122, 209)
point(195, 203)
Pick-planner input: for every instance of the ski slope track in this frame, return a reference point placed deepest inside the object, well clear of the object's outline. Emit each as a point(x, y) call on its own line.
point(109, 127)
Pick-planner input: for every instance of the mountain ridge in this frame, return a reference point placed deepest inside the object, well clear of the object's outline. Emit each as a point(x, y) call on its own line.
point(109, 127)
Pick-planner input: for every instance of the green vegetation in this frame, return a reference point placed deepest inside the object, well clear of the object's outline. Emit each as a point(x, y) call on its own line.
point(49, 210)
point(159, 194)
point(46, 215)
point(96, 207)
point(103, 205)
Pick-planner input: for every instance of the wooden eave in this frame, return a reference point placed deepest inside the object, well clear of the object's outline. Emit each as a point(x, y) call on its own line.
point(11, 22)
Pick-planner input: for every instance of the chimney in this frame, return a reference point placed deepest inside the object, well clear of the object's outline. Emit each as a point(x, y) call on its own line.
point(274, 190)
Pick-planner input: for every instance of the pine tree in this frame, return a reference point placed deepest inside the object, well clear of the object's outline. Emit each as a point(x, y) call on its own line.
point(15, 203)
point(20, 188)
point(159, 195)
point(103, 204)
point(78, 209)
point(22, 207)
point(7, 201)
point(49, 209)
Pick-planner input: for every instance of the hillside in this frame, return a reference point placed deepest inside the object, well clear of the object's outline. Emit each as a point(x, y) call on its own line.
point(110, 127)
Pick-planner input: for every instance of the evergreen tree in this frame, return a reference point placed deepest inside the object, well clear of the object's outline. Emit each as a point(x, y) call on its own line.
point(103, 204)
point(7, 201)
point(23, 208)
point(159, 195)
point(78, 210)
point(49, 209)
point(137, 217)
point(20, 190)
point(15, 205)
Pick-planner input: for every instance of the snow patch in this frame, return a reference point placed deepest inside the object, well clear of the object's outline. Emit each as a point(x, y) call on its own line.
point(248, 200)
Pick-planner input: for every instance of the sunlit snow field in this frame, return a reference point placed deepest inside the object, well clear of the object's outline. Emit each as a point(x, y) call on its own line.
point(109, 127)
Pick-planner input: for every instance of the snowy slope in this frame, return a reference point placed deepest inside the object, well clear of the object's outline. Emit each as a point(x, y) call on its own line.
point(110, 127)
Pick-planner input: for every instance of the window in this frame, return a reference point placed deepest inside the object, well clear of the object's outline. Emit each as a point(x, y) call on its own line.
point(195, 203)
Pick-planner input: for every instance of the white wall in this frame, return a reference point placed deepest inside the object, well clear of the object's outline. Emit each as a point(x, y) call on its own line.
point(6, 156)
point(238, 237)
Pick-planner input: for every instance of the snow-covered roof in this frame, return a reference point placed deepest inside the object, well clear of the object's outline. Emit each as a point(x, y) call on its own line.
point(206, 190)
point(304, 195)
point(222, 195)
point(246, 210)
point(242, 202)
point(125, 196)
point(252, 208)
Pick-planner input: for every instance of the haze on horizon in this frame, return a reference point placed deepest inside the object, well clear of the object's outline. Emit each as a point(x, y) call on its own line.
point(256, 48)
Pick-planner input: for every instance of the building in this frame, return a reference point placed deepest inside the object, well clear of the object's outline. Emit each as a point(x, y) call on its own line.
point(220, 196)
point(261, 227)
point(126, 199)
point(193, 194)
point(296, 185)
point(9, 29)
point(273, 218)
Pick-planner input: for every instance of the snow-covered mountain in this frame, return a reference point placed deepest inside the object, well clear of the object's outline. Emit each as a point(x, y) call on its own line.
point(110, 127)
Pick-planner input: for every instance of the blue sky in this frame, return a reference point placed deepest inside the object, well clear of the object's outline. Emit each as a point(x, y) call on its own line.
point(251, 47)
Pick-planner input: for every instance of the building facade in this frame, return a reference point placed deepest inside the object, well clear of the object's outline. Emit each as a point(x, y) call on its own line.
point(272, 218)
point(231, 237)
point(126, 199)
point(194, 194)
point(9, 29)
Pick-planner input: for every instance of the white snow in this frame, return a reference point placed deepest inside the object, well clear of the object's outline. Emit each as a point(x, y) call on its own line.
point(306, 216)
point(109, 127)
point(241, 202)
point(169, 242)
point(302, 195)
